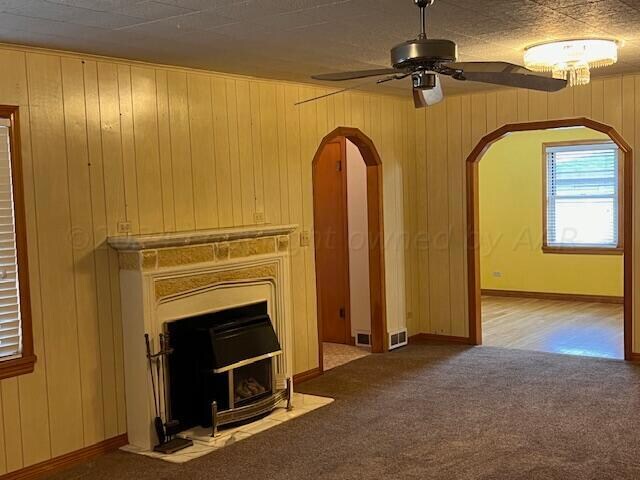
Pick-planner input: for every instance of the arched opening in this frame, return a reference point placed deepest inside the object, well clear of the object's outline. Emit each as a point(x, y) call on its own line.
point(330, 207)
point(473, 218)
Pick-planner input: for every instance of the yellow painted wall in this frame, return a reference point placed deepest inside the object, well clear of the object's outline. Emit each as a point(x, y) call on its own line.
point(435, 179)
point(167, 149)
point(511, 176)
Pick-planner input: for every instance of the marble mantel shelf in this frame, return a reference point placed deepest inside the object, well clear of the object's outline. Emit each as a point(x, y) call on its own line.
point(178, 239)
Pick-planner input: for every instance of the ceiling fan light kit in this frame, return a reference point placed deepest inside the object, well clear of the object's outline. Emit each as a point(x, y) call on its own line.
point(572, 60)
point(425, 60)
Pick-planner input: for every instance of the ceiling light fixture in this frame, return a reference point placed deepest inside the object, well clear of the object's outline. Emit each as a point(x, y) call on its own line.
point(571, 60)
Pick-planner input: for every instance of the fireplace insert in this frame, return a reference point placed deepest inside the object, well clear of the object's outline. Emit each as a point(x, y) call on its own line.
point(222, 367)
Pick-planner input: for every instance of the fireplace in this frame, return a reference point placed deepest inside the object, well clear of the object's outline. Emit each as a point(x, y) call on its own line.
point(222, 367)
point(204, 280)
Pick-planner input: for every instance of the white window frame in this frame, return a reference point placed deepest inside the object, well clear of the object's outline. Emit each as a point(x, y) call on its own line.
point(580, 248)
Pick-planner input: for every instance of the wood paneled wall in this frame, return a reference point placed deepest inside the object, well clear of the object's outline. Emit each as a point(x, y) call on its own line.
point(435, 181)
point(165, 149)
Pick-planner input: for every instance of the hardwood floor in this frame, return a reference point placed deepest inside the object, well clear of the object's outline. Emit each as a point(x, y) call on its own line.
point(577, 328)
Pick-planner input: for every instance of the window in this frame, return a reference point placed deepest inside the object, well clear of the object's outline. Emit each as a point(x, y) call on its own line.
point(16, 343)
point(582, 195)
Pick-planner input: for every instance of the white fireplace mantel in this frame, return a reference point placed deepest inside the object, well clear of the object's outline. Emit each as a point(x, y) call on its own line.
point(177, 239)
point(169, 276)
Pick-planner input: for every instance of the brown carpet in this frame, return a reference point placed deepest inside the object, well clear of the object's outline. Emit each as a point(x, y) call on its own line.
point(437, 412)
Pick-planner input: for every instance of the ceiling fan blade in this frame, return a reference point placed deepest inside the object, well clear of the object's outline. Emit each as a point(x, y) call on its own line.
point(507, 74)
point(428, 97)
point(341, 76)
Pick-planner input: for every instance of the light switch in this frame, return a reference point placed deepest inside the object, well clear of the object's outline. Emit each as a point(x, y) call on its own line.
point(305, 238)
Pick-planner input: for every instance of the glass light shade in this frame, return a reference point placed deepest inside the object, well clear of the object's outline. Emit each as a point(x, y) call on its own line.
point(571, 60)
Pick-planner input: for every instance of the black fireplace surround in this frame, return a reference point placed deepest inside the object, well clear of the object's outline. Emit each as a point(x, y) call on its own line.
point(222, 364)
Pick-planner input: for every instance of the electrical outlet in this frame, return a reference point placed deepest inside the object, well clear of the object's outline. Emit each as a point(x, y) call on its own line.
point(497, 274)
point(124, 227)
point(305, 238)
point(258, 217)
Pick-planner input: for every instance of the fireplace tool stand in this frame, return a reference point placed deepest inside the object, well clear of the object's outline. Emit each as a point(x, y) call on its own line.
point(166, 431)
point(239, 414)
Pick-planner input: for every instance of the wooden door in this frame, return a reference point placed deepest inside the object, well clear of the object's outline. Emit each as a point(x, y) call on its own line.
point(331, 242)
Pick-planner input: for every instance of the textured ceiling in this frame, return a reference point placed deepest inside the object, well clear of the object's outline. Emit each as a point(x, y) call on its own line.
point(291, 39)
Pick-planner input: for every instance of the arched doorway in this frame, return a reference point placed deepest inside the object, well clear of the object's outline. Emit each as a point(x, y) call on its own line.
point(473, 237)
point(375, 231)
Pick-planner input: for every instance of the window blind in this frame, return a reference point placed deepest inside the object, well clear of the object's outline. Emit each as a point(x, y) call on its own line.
point(582, 195)
point(10, 325)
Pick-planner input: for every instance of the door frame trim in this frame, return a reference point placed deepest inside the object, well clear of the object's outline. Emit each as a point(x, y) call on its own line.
point(379, 340)
point(473, 218)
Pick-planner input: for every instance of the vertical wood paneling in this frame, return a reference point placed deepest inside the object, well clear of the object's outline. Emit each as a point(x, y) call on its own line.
point(245, 151)
point(537, 106)
point(147, 149)
point(294, 170)
point(582, 100)
point(492, 111)
point(411, 222)
point(597, 100)
point(109, 108)
point(282, 154)
point(99, 172)
point(523, 105)
point(438, 221)
point(507, 108)
point(391, 211)
point(223, 169)
point(11, 426)
point(127, 140)
point(398, 245)
point(181, 161)
point(34, 403)
point(457, 226)
point(205, 197)
point(560, 104)
point(164, 145)
point(83, 249)
point(269, 140)
point(613, 109)
point(479, 126)
point(234, 153)
point(309, 142)
point(58, 293)
point(256, 126)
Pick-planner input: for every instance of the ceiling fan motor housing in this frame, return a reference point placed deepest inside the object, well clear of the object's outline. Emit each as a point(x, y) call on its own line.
point(423, 53)
point(424, 80)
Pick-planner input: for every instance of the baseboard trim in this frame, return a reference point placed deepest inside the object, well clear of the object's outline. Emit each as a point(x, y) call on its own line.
point(303, 377)
point(67, 460)
point(569, 297)
point(432, 337)
point(635, 357)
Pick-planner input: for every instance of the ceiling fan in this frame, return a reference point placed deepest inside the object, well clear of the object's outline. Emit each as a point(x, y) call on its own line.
point(425, 59)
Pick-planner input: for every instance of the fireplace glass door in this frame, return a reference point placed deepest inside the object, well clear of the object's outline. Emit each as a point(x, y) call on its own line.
point(252, 382)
